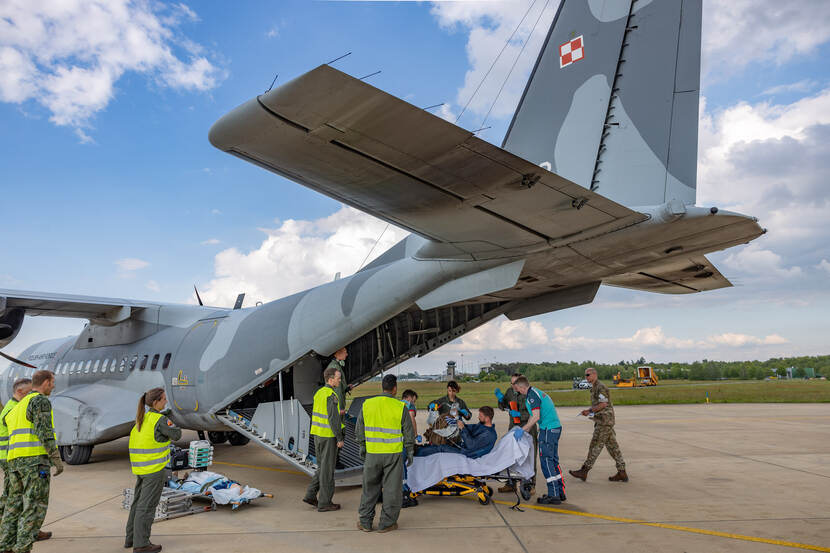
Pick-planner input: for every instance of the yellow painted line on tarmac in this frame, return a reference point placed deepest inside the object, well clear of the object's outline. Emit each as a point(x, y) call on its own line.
point(715, 533)
point(260, 468)
point(673, 527)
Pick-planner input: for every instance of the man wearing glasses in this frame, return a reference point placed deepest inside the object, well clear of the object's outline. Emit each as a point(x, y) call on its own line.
point(604, 435)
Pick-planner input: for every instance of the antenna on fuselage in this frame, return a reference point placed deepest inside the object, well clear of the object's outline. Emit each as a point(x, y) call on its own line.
point(198, 297)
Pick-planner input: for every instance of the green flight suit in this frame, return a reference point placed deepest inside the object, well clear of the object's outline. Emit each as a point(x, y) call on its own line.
point(524, 416)
point(29, 479)
point(147, 492)
point(344, 385)
point(321, 487)
point(458, 404)
point(383, 473)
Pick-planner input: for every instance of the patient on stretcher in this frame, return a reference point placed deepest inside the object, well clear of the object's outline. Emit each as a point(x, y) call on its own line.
point(475, 439)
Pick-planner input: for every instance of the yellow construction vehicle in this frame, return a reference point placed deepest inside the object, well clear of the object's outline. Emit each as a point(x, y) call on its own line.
point(646, 376)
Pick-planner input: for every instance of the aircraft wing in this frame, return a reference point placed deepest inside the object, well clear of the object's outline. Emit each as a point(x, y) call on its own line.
point(105, 310)
point(366, 148)
point(683, 275)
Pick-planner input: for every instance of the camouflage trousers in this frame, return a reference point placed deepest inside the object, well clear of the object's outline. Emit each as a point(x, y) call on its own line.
point(604, 436)
point(25, 507)
point(5, 468)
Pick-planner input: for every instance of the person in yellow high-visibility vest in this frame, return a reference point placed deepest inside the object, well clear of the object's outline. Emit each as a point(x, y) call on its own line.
point(327, 429)
point(149, 453)
point(32, 449)
point(21, 388)
point(383, 431)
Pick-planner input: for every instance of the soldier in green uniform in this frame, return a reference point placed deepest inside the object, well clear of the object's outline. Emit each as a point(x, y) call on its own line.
point(339, 362)
point(604, 435)
point(456, 405)
point(505, 400)
point(21, 388)
point(149, 454)
point(32, 449)
point(383, 431)
point(327, 429)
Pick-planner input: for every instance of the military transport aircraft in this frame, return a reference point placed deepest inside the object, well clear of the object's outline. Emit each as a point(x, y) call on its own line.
point(595, 183)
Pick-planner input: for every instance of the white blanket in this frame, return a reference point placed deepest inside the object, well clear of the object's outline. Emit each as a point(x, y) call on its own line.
point(508, 453)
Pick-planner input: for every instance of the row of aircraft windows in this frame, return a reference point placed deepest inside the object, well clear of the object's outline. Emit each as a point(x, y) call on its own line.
point(90, 366)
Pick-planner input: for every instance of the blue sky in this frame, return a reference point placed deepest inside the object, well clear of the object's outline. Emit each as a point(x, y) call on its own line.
point(110, 187)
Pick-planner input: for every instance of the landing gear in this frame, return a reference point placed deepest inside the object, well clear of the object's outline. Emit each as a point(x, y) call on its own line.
point(235, 438)
point(75, 454)
point(218, 437)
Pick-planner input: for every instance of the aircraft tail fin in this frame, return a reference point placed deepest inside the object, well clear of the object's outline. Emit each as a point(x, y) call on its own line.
point(612, 103)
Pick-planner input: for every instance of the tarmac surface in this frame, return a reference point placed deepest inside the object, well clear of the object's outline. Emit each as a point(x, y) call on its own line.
point(739, 478)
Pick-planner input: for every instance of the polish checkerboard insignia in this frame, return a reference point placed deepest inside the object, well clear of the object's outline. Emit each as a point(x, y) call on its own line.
point(572, 51)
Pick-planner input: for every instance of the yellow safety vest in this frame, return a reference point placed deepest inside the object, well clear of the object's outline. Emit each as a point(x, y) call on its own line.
point(4, 430)
point(23, 442)
point(382, 424)
point(147, 456)
point(320, 413)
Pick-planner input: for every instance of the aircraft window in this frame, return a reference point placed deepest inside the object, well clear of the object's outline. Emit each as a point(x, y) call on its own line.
point(167, 360)
point(58, 368)
point(123, 364)
point(155, 363)
point(143, 363)
point(95, 365)
point(133, 362)
point(105, 365)
point(114, 363)
point(88, 365)
point(72, 367)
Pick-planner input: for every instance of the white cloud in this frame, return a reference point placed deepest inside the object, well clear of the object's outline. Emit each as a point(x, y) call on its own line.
point(503, 335)
point(299, 255)
point(152, 286)
point(824, 266)
point(129, 265)
point(804, 85)
point(68, 56)
point(739, 340)
point(215, 212)
point(273, 32)
point(753, 260)
point(738, 32)
point(210, 242)
point(489, 26)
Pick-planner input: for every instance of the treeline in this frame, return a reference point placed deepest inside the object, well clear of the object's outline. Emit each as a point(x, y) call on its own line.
point(698, 370)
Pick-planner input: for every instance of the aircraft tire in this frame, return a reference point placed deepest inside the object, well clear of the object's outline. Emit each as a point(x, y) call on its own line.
point(235, 438)
point(217, 437)
point(76, 454)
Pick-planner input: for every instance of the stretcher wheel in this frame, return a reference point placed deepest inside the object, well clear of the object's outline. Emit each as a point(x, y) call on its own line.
point(525, 490)
point(489, 491)
point(483, 498)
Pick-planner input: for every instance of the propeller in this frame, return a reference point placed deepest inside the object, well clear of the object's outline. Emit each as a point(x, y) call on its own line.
point(18, 361)
point(198, 297)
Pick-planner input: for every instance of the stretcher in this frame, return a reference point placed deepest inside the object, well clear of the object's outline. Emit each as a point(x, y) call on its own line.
point(454, 474)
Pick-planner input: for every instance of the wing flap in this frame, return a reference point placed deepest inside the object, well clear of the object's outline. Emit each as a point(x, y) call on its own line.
point(681, 276)
point(342, 137)
point(111, 310)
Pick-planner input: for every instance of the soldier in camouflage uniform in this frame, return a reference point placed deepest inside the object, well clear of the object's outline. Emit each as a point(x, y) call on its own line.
point(604, 435)
point(29, 463)
point(21, 388)
point(511, 395)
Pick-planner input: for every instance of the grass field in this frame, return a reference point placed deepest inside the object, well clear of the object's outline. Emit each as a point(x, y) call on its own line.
point(667, 392)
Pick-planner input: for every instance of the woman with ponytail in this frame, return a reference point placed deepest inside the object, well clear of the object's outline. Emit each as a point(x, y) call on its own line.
point(149, 453)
